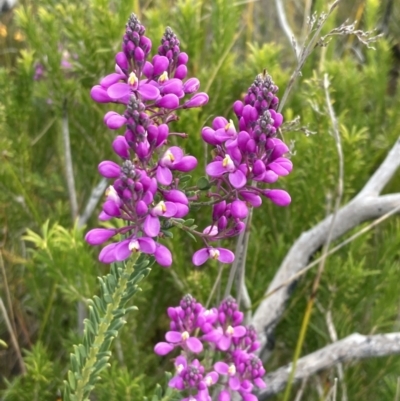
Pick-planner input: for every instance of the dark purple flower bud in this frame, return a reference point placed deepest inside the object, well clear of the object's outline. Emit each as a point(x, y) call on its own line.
point(109, 169)
point(122, 61)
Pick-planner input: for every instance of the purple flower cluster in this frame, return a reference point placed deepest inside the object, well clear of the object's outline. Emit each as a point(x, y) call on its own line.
point(243, 163)
point(194, 328)
point(145, 188)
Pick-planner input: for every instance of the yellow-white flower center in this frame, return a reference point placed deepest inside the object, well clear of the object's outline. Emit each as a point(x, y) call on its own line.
point(163, 77)
point(208, 381)
point(185, 335)
point(229, 330)
point(160, 208)
point(231, 370)
point(179, 368)
point(169, 156)
point(214, 253)
point(132, 80)
point(228, 163)
point(134, 245)
point(229, 125)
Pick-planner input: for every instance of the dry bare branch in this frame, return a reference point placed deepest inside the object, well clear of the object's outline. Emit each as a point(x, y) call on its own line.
point(351, 348)
point(365, 206)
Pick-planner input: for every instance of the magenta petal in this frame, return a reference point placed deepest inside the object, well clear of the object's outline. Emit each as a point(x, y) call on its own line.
point(147, 245)
point(225, 255)
point(122, 250)
point(171, 209)
point(224, 343)
point(221, 367)
point(234, 383)
point(239, 209)
point(224, 395)
point(194, 345)
point(200, 257)
point(109, 169)
point(253, 199)
point(163, 348)
point(121, 147)
point(116, 121)
point(187, 163)
point(148, 92)
point(278, 169)
point(109, 80)
point(215, 169)
point(151, 226)
point(237, 179)
point(181, 210)
point(173, 336)
point(164, 175)
point(278, 196)
point(160, 64)
point(99, 94)
point(163, 256)
point(239, 331)
point(169, 101)
point(122, 61)
point(177, 152)
point(176, 196)
point(213, 336)
point(260, 383)
point(119, 90)
point(99, 235)
point(198, 100)
point(107, 254)
point(176, 382)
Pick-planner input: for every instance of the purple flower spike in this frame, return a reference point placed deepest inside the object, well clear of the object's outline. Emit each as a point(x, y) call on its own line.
point(221, 254)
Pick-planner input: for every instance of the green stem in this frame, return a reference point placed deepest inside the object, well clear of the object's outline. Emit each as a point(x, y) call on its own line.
point(299, 346)
point(103, 327)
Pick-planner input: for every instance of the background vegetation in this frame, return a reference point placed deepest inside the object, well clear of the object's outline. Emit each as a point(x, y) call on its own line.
point(45, 265)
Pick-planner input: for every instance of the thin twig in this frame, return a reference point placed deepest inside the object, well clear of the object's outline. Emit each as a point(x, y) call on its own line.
point(305, 52)
point(13, 337)
point(327, 244)
point(96, 194)
point(351, 348)
point(299, 394)
point(7, 290)
point(286, 27)
point(69, 171)
point(216, 282)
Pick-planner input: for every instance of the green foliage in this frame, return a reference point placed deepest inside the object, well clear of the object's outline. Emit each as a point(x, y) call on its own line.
point(41, 381)
point(49, 267)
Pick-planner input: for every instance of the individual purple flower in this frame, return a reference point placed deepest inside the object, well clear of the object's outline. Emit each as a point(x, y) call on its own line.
point(226, 165)
point(221, 254)
point(173, 159)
